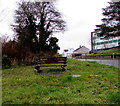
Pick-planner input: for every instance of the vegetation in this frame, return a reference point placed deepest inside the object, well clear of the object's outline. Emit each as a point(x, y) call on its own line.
point(111, 51)
point(105, 52)
point(6, 62)
point(35, 23)
point(98, 84)
point(111, 23)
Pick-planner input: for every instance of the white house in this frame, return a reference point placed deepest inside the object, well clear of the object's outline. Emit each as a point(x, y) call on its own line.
point(82, 50)
point(68, 53)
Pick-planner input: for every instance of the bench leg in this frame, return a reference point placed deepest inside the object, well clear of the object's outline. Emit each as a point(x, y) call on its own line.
point(64, 68)
point(38, 69)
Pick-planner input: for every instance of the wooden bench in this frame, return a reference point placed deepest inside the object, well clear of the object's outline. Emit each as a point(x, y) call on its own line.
point(51, 62)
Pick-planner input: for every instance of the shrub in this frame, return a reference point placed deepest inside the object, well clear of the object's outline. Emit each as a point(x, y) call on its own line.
point(6, 62)
point(114, 98)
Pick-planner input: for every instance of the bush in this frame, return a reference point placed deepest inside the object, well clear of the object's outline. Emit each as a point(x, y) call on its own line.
point(114, 98)
point(6, 62)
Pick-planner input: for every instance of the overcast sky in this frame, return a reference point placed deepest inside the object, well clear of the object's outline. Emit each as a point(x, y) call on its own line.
point(81, 17)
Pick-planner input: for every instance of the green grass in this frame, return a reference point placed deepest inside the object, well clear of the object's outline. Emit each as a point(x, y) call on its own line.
point(111, 51)
point(105, 52)
point(97, 54)
point(97, 85)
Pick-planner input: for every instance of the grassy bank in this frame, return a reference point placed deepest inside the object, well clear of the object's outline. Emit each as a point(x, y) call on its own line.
point(111, 51)
point(98, 84)
point(105, 52)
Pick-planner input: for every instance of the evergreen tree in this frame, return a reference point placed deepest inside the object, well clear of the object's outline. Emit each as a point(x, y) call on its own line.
point(53, 44)
point(111, 23)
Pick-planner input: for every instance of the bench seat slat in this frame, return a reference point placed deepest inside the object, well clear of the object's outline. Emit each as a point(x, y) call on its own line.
point(52, 65)
point(51, 62)
point(48, 62)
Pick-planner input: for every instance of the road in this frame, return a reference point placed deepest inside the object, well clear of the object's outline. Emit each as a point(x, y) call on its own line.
point(115, 62)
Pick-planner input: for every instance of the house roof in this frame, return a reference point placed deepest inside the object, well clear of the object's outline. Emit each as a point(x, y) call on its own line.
point(66, 50)
point(81, 49)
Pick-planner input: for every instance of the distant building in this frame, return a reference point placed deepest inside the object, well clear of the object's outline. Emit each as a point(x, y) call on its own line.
point(100, 43)
point(64, 54)
point(68, 53)
point(82, 50)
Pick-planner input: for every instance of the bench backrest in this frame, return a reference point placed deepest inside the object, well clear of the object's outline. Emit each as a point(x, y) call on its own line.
point(50, 60)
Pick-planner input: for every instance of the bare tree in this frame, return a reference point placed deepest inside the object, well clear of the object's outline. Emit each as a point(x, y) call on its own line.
point(35, 23)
